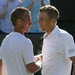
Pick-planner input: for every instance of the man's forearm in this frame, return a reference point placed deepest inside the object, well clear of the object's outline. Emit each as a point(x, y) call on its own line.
point(2, 14)
point(1, 69)
point(72, 59)
point(33, 67)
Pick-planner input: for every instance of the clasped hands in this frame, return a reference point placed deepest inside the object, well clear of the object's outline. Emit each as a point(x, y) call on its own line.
point(38, 58)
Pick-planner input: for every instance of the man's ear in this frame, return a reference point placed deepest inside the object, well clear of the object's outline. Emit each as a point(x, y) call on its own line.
point(53, 21)
point(19, 22)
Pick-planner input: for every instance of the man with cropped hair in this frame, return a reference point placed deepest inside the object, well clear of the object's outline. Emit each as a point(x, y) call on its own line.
point(17, 50)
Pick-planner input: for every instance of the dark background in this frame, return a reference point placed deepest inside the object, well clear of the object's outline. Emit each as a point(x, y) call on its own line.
point(67, 14)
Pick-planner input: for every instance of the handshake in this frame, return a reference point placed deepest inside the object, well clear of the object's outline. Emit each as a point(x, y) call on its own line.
point(38, 59)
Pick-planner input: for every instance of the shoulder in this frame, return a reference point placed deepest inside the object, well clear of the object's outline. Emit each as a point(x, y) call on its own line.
point(24, 40)
point(27, 42)
point(65, 35)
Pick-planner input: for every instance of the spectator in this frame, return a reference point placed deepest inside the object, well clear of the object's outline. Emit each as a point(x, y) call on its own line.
point(6, 6)
point(17, 50)
point(33, 6)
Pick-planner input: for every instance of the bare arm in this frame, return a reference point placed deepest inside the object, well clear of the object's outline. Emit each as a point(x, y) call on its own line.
point(33, 67)
point(73, 59)
point(2, 14)
point(30, 6)
point(1, 70)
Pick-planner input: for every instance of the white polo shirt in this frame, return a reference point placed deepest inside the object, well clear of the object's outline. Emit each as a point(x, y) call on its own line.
point(58, 46)
point(17, 51)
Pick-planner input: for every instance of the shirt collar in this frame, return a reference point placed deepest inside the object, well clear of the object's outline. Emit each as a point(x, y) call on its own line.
point(53, 33)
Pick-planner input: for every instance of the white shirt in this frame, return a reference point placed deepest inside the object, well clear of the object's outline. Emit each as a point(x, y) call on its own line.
point(17, 51)
point(58, 46)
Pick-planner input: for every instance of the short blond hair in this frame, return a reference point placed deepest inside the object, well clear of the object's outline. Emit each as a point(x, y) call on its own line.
point(51, 11)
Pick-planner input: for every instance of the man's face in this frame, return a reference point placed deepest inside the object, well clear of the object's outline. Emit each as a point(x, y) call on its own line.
point(44, 21)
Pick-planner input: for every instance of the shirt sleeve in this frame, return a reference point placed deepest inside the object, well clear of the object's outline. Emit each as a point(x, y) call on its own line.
point(69, 46)
point(26, 3)
point(28, 52)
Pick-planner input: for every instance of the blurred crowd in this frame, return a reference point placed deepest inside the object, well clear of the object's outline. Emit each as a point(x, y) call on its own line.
point(6, 6)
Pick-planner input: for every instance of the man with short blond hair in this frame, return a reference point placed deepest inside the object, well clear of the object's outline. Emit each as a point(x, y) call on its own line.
point(58, 49)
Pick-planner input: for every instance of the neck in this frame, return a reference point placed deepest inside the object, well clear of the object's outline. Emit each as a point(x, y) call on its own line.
point(16, 30)
point(49, 30)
